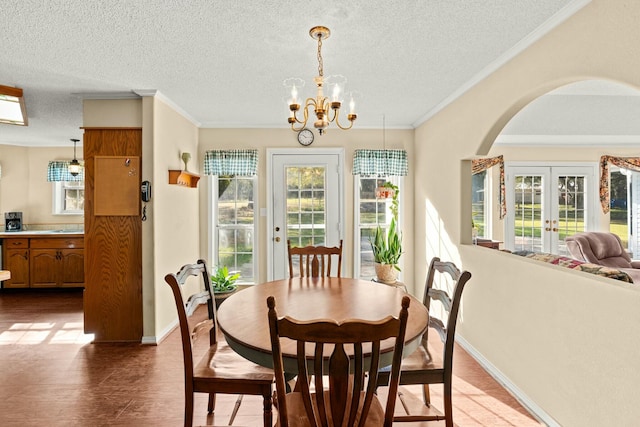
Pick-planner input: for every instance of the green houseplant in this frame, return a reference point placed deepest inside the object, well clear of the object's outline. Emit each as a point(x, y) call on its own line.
point(387, 246)
point(224, 282)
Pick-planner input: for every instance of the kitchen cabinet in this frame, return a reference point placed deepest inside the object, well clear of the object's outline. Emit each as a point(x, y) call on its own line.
point(44, 262)
point(16, 260)
point(56, 263)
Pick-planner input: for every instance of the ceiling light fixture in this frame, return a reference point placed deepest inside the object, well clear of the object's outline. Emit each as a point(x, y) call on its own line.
point(321, 104)
point(74, 166)
point(12, 108)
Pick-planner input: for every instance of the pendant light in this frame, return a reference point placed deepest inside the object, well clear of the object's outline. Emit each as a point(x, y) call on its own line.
point(74, 166)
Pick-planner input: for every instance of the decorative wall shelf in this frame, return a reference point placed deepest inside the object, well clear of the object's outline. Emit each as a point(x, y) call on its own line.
point(183, 178)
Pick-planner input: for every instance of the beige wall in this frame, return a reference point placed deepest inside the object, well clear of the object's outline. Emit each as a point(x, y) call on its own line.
point(24, 186)
point(261, 139)
point(173, 213)
point(566, 342)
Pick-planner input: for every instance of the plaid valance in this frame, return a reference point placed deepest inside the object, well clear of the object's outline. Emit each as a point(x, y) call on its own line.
point(380, 163)
point(231, 162)
point(631, 163)
point(481, 165)
point(59, 171)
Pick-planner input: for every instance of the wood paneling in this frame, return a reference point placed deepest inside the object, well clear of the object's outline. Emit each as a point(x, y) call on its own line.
point(113, 248)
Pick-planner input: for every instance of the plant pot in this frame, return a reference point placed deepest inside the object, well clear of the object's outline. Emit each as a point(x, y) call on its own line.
point(386, 273)
point(221, 296)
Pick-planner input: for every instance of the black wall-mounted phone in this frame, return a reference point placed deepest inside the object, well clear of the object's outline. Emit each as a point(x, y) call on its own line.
point(145, 191)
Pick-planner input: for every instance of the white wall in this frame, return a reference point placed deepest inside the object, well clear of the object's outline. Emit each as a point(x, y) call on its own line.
point(566, 341)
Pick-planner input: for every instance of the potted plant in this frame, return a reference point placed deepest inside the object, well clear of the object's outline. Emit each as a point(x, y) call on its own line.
point(387, 247)
point(223, 283)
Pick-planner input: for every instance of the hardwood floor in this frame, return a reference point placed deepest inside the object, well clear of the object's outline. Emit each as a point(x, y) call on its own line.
point(51, 374)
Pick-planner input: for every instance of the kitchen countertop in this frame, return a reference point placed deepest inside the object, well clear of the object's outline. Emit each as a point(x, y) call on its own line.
point(40, 233)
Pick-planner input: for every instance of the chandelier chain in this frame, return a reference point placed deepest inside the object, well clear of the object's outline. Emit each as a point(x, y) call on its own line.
point(320, 65)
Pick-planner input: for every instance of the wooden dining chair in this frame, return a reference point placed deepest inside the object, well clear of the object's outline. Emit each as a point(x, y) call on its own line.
point(350, 399)
point(221, 370)
point(314, 261)
point(425, 365)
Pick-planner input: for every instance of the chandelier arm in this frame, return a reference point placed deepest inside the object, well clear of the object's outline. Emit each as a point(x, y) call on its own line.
point(337, 117)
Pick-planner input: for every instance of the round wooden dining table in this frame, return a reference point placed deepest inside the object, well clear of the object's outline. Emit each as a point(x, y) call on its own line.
point(242, 317)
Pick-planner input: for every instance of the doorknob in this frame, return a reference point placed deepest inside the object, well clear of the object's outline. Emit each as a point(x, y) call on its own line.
point(277, 239)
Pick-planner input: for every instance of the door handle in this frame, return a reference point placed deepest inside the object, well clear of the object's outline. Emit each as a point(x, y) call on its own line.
point(277, 239)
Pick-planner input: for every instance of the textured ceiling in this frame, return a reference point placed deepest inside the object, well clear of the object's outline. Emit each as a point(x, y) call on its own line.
point(222, 63)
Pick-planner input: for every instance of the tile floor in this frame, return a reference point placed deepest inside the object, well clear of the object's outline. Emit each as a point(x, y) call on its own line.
point(52, 375)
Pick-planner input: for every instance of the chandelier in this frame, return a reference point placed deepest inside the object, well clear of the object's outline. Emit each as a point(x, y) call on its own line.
point(322, 105)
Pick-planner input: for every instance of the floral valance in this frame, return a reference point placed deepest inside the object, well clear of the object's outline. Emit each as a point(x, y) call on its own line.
point(231, 162)
point(631, 163)
point(380, 163)
point(481, 165)
point(59, 171)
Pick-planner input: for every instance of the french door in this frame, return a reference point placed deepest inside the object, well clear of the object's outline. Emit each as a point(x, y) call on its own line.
point(306, 202)
point(546, 204)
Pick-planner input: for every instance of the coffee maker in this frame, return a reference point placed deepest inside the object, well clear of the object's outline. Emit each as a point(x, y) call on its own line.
point(13, 221)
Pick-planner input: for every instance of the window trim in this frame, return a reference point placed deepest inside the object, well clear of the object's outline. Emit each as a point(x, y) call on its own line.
point(398, 181)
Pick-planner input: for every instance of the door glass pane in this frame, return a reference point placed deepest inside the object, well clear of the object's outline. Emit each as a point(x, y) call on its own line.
point(528, 213)
point(305, 206)
point(571, 209)
point(619, 218)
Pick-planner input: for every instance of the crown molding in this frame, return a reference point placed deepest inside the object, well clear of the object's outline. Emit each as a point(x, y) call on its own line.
point(107, 95)
point(159, 95)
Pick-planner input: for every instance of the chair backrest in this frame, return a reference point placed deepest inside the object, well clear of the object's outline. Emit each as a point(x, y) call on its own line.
point(314, 261)
point(352, 382)
point(450, 304)
point(597, 247)
point(185, 310)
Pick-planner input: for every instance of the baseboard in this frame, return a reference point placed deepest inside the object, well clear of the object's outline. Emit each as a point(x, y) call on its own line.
point(504, 381)
point(157, 339)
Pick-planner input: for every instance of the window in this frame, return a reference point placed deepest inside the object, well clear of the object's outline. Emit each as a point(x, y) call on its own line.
point(370, 212)
point(234, 230)
point(68, 198)
point(479, 203)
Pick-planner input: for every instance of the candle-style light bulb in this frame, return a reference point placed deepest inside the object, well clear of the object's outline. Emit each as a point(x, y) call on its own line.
point(336, 93)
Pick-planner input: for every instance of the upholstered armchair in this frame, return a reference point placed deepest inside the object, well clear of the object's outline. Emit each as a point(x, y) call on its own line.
point(600, 248)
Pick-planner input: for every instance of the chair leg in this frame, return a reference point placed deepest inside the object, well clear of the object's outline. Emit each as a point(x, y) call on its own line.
point(448, 406)
point(188, 410)
point(211, 406)
point(236, 407)
point(268, 421)
point(426, 395)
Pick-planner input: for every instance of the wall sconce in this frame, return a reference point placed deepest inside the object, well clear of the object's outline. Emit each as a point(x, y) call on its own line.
point(12, 108)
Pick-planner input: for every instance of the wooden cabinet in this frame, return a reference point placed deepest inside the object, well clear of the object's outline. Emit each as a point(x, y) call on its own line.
point(47, 262)
point(16, 260)
point(56, 263)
